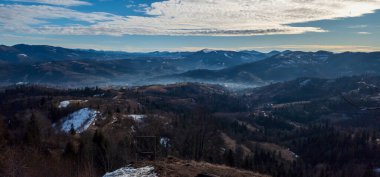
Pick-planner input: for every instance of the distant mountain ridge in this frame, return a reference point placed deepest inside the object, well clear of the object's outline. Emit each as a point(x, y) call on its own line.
point(43, 53)
point(306, 89)
point(289, 65)
point(48, 64)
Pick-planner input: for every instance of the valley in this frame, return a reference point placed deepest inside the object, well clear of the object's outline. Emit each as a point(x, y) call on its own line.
point(189, 88)
point(210, 113)
point(296, 128)
point(234, 69)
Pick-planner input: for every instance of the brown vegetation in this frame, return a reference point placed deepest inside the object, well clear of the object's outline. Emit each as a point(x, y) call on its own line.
point(173, 167)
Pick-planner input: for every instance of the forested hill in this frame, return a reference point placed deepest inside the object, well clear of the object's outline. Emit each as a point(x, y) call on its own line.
point(305, 127)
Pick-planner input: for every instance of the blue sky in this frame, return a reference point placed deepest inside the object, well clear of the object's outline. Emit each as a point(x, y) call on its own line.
point(187, 25)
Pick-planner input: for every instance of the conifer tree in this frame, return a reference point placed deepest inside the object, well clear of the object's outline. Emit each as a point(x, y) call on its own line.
point(33, 134)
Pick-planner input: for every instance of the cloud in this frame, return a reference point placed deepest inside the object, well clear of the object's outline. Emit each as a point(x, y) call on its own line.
point(188, 17)
point(306, 47)
point(364, 33)
point(358, 26)
point(35, 18)
point(137, 7)
point(57, 2)
point(12, 37)
point(334, 48)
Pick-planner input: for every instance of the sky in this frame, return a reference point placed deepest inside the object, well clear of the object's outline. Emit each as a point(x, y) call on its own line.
point(189, 25)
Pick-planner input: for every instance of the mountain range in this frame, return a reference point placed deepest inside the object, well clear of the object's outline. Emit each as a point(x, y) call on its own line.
point(290, 65)
point(56, 65)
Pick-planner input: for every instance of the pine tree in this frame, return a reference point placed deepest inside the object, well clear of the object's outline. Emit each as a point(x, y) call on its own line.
point(72, 130)
point(3, 133)
point(230, 158)
point(369, 172)
point(70, 150)
point(33, 135)
point(101, 150)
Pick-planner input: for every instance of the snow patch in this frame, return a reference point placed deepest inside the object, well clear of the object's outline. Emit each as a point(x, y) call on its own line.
point(99, 95)
point(66, 103)
point(164, 141)
point(377, 170)
point(22, 55)
point(80, 120)
point(208, 51)
point(368, 85)
point(305, 82)
point(133, 129)
point(137, 117)
point(147, 171)
point(22, 83)
point(294, 154)
point(226, 55)
point(63, 104)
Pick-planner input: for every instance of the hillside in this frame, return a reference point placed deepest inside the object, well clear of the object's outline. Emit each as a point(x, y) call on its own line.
point(172, 167)
point(291, 65)
point(74, 67)
point(306, 125)
point(61, 66)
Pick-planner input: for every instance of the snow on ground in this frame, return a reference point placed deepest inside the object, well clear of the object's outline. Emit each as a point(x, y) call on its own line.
point(133, 129)
point(22, 55)
point(22, 83)
point(226, 55)
point(137, 117)
point(208, 51)
point(377, 170)
point(66, 103)
point(63, 104)
point(164, 141)
point(294, 154)
point(305, 82)
point(368, 85)
point(99, 95)
point(80, 120)
point(147, 171)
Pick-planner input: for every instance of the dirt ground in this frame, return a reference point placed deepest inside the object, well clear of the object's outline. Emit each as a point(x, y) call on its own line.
point(172, 167)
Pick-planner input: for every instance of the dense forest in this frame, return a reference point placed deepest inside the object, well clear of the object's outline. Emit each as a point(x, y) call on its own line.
point(286, 133)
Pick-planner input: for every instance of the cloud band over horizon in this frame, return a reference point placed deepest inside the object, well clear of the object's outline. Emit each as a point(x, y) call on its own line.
point(182, 17)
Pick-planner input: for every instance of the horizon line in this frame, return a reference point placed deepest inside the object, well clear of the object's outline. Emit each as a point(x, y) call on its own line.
point(264, 49)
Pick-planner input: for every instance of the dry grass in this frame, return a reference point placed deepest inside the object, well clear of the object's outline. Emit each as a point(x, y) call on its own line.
point(172, 167)
point(285, 152)
point(231, 144)
point(155, 89)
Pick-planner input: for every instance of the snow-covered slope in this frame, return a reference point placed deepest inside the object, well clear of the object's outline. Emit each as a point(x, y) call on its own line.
point(79, 120)
point(64, 104)
point(147, 171)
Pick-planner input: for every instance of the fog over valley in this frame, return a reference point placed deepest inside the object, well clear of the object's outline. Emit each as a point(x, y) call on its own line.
point(189, 88)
